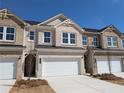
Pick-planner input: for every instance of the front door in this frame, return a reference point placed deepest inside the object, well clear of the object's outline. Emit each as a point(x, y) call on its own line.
point(30, 65)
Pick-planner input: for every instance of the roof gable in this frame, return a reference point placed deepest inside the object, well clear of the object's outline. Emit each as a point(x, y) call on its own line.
point(4, 13)
point(71, 23)
point(111, 27)
point(60, 16)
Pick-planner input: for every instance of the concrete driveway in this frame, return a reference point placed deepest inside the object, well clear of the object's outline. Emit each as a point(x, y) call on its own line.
point(6, 85)
point(82, 84)
point(119, 74)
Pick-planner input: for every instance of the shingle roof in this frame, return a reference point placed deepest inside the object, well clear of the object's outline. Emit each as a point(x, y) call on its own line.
point(91, 30)
point(32, 22)
point(97, 30)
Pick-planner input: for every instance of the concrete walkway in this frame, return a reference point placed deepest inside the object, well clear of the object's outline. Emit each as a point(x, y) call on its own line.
point(83, 84)
point(6, 85)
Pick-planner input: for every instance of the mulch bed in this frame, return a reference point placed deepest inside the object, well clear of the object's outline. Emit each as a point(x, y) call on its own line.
point(30, 83)
point(110, 78)
point(31, 86)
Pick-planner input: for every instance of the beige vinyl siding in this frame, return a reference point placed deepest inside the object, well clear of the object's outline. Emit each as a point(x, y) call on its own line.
point(57, 21)
point(68, 29)
point(110, 33)
point(41, 36)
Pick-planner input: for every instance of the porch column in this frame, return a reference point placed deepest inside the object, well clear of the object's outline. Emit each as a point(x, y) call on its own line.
point(39, 67)
point(19, 69)
point(82, 68)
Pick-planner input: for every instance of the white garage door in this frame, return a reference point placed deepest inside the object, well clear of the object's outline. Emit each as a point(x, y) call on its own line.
point(58, 67)
point(115, 66)
point(102, 67)
point(7, 68)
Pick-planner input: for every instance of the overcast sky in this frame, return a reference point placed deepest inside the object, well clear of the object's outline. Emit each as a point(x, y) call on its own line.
point(87, 13)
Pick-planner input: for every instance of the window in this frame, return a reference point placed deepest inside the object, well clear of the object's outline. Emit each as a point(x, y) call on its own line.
point(84, 40)
point(10, 33)
point(31, 36)
point(1, 33)
point(47, 37)
point(95, 41)
point(7, 33)
point(69, 38)
point(112, 41)
point(72, 38)
point(65, 37)
point(123, 43)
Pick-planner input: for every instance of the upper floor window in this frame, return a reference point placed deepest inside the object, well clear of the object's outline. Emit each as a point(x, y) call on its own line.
point(95, 41)
point(84, 40)
point(1, 33)
point(123, 43)
point(31, 36)
point(7, 33)
point(69, 38)
point(65, 37)
point(112, 41)
point(72, 38)
point(10, 33)
point(47, 37)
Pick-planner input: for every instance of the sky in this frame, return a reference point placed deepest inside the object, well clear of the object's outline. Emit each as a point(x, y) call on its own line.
point(86, 13)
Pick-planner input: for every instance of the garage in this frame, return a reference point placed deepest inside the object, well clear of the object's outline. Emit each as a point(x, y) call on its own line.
point(7, 68)
point(103, 66)
point(60, 67)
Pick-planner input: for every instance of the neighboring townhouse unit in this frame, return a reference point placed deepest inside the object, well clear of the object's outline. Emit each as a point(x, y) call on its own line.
point(11, 44)
point(107, 54)
point(59, 47)
point(56, 47)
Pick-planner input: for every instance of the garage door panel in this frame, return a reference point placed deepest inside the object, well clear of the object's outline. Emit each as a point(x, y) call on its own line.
point(7, 68)
point(58, 67)
point(115, 66)
point(102, 67)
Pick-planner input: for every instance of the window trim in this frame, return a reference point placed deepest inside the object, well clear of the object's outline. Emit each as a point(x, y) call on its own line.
point(69, 39)
point(85, 40)
point(50, 43)
point(5, 34)
point(111, 38)
point(29, 36)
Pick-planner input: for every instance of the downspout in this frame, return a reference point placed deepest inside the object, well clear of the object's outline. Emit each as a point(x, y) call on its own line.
point(109, 61)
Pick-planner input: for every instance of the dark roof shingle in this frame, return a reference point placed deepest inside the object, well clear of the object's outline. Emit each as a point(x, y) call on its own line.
point(91, 30)
point(32, 22)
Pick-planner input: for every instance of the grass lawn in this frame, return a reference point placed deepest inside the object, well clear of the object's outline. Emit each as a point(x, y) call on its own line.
point(110, 78)
point(31, 86)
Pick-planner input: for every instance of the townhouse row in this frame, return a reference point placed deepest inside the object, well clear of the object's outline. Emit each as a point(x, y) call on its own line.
point(57, 47)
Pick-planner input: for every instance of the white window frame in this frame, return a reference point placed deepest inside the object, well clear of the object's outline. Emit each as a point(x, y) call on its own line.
point(31, 35)
point(5, 34)
point(50, 43)
point(111, 41)
point(85, 40)
point(97, 43)
point(69, 38)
